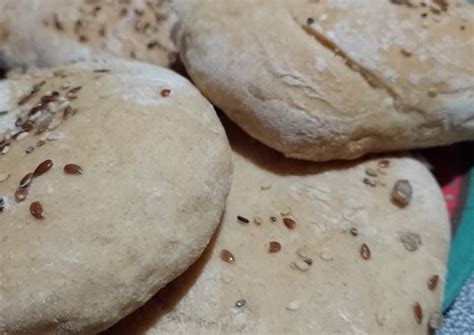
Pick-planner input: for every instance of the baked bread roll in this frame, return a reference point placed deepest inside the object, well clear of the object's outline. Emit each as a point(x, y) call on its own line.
point(324, 80)
point(52, 32)
point(112, 182)
point(312, 249)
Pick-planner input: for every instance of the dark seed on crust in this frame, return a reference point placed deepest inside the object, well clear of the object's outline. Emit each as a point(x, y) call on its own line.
point(37, 210)
point(227, 256)
point(289, 223)
point(354, 231)
point(365, 251)
point(166, 92)
point(240, 303)
point(418, 312)
point(242, 219)
point(72, 169)
point(433, 282)
point(21, 194)
point(26, 181)
point(274, 246)
point(402, 192)
point(43, 168)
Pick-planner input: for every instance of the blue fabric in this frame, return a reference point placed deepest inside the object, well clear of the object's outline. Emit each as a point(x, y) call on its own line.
point(459, 319)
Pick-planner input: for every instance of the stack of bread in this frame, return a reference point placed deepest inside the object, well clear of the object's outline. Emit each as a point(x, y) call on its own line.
point(129, 206)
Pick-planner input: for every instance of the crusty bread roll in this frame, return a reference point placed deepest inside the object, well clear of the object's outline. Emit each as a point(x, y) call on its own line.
point(52, 32)
point(350, 259)
point(323, 80)
point(111, 185)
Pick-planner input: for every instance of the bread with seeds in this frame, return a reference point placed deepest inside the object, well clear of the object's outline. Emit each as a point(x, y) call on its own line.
point(324, 80)
point(109, 189)
point(53, 32)
point(323, 252)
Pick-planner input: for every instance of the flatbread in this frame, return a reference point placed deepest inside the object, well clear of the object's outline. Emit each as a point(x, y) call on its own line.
point(319, 281)
point(325, 80)
point(139, 177)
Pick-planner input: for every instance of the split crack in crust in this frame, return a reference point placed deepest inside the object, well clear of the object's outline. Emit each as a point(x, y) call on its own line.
point(372, 79)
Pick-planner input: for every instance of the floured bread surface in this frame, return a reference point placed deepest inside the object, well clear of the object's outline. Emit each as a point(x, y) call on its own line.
point(323, 80)
point(53, 32)
point(140, 172)
point(338, 266)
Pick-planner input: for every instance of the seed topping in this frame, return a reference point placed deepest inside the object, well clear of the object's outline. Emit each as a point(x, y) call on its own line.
point(21, 194)
point(289, 223)
point(433, 282)
point(418, 312)
point(274, 246)
point(26, 181)
point(402, 192)
point(227, 256)
point(36, 209)
point(242, 219)
point(240, 303)
point(43, 168)
point(165, 93)
point(72, 168)
point(365, 251)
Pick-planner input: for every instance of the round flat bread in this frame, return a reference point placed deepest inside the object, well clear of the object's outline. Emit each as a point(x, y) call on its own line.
point(316, 249)
point(323, 80)
point(52, 32)
point(112, 182)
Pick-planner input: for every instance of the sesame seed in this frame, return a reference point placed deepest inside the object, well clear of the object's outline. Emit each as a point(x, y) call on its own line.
point(294, 305)
point(4, 177)
point(257, 220)
point(300, 265)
